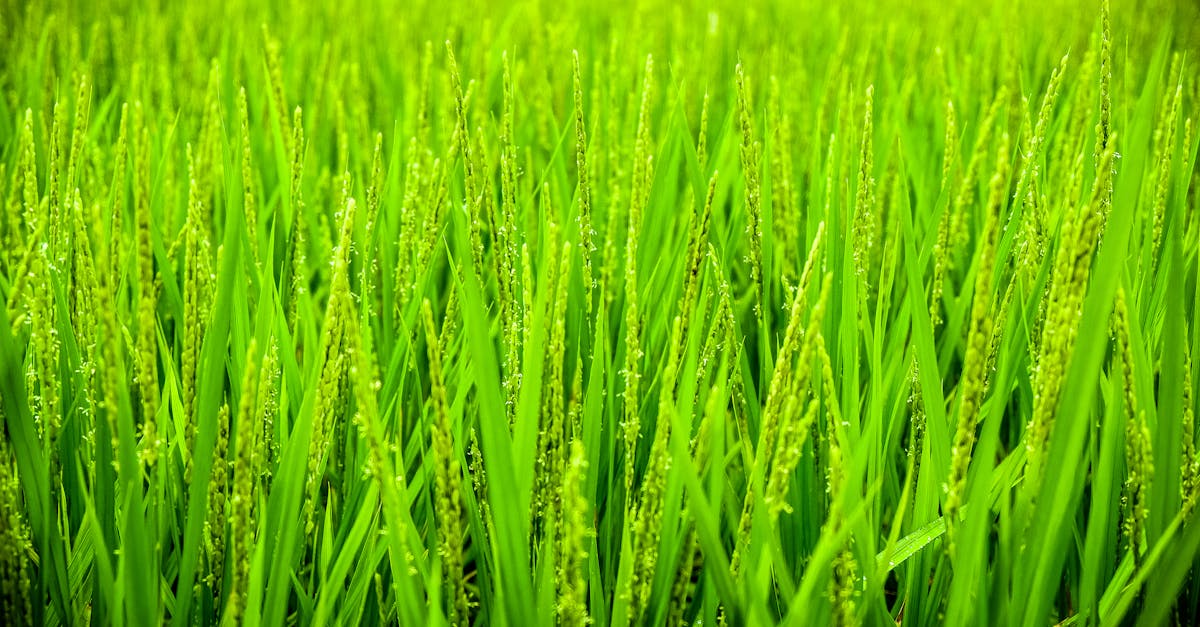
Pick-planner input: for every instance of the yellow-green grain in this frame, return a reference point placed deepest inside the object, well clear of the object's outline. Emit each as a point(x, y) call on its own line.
point(1139, 457)
point(631, 424)
point(448, 480)
point(299, 235)
point(471, 185)
point(552, 439)
point(575, 529)
point(249, 206)
point(862, 235)
point(795, 427)
point(54, 175)
point(117, 206)
point(750, 155)
point(275, 83)
point(44, 389)
point(16, 588)
point(214, 527)
point(586, 247)
point(242, 499)
point(972, 388)
point(1078, 241)
point(697, 247)
point(147, 301)
point(1164, 152)
point(331, 361)
point(1189, 465)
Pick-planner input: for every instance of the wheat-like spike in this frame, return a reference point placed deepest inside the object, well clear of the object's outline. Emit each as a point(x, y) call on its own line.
point(1104, 123)
point(27, 171)
point(416, 178)
point(249, 207)
point(54, 177)
point(16, 545)
point(796, 427)
point(750, 155)
point(109, 362)
point(784, 384)
point(1164, 151)
point(369, 267)
point(522, 324)
point(631, 425)
point(574, 531)
point(146, 361)
point(214, 527)
point(78, 135)
point(731, 343)
point(245, 479)
point(1032, 155)
point(45, 387)
point(586, 247)
point(299, 235)
point(508, 242)
point(862, 234)
point(208, 158)
point(697, 247)
point(916, 433)
point(647, 524)
point(448, 478)
point(197, 302)
point(973, 384)
point(1079, 125)
point(470, 178)
point(117, 207)
point(707, 360)
point(479, 483)
point(941, 249)
point(83, 301)
point(1189, 465)
point(551, 436)
point(1139, 459)
point(794, 339)
point(450, 321)
point(275, 82)
point(422, 115)
point(29, 192)
point(1082, 229)
point(330, 364)
point(379, 465)
point(949, 147)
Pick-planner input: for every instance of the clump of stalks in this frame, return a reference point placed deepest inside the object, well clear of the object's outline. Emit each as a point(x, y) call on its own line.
point(1139, 453)
point(973, 385)
point(1081, 230)
point(448, 478)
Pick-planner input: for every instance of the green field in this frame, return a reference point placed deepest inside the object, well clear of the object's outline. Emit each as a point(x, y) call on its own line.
point(632, 313)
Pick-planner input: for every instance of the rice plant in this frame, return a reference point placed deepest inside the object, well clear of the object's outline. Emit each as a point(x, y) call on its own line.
point(634, 313)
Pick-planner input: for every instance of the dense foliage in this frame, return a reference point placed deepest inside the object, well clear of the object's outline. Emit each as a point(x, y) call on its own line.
point(554, 313)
